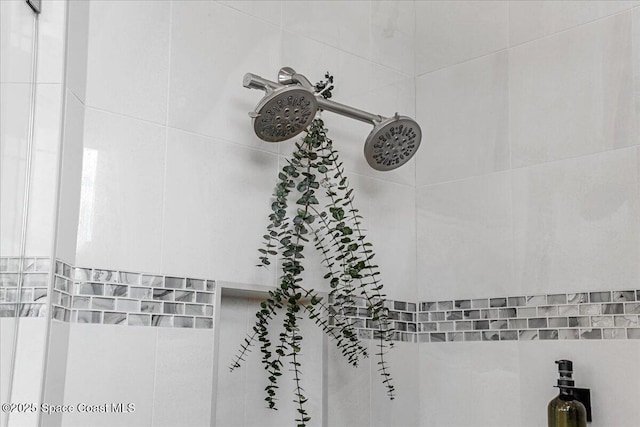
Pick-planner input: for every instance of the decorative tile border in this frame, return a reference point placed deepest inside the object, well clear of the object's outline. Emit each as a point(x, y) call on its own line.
point(86, 295)
point(89, 295)
point(32, 301)
point(575, 316)
point(402, 314)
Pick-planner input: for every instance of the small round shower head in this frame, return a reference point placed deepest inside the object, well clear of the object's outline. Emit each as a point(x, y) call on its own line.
point(284, 113)
point(392, 143)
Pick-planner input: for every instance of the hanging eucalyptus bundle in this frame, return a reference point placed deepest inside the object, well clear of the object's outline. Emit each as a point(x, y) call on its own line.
point(335, 230)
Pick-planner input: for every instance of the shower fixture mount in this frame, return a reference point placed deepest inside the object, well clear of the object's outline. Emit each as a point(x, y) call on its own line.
point(291, 104)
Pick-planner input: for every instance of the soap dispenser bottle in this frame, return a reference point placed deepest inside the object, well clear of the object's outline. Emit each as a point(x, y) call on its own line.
point(565, 410)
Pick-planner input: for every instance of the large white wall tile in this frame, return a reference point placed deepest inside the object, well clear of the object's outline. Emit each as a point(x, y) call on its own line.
point(350, 388)
point(345, 24)
point(7, 331)
point(70, 180)
point(52, 23)
point(15, 101)
point(608, 368)
point(464, 238)
point(44, 169)
point(636, 67)
point(28, 369)
point(184, 374)
point(571, 93)
point(57, 353)
point(393, 34)
point(217, 202)
point(233, 327)
point(209, 58)
point(464, 384)
point(389, 221)
point(128, 59)
point(576, 223)
point(451, 32)
point(77, 47)
point(354, 75)
point(530, 20)
point(404, 365)
point(465, 117)
point(110, 363)
point(16, 42)
point(120, 223)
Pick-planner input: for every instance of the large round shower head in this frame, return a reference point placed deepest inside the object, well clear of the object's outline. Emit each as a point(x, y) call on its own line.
point(392, 143)
point(284, 113)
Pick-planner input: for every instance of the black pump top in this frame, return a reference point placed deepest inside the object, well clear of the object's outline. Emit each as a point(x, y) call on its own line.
point(565, 368)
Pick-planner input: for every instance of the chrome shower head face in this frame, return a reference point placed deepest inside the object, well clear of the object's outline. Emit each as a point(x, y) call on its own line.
point(392, 143)
point(284, 113)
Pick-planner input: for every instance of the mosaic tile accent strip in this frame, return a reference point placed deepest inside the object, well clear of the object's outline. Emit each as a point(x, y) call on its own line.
point(32, 300)
point(575, 316)
point(90, 295)
point(401, 314)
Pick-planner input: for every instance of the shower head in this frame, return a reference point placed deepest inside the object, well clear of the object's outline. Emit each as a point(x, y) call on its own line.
point(283, 113)
point(392, 143)
point(290, 106)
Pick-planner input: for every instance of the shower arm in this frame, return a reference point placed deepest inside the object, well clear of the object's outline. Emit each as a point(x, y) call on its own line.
point(289, 76)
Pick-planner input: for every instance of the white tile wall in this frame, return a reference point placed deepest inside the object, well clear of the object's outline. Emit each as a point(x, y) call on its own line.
point(567, 218)
point(636, 66)
point(122, 193)
point(571, 93)
point(28, 369)
point(347, 408)
point(389, 223)
point(56, 372)
point(51, 41)
point(530, 20)
point(464, 113)
point(16, 42)
point(207, 66)
point(345, 25)
point(7, 328)
point(451, 32)
point(576, 223)
point(464, 238)
point(233, 316)
point(44, 169)
point(70, 180)
point(393, 27)
point(268, 10)
point(216, 205)
point(103, 367)
point(14, 129)
point(77, 48)
point(470, 384)
point(183, 389)
point(404, 362)
point(128, 58)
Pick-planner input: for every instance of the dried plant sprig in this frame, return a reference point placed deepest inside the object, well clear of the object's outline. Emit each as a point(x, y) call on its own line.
point(337, 234)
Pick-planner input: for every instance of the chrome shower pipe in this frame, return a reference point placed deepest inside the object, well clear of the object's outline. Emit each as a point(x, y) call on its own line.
point(288, 76)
